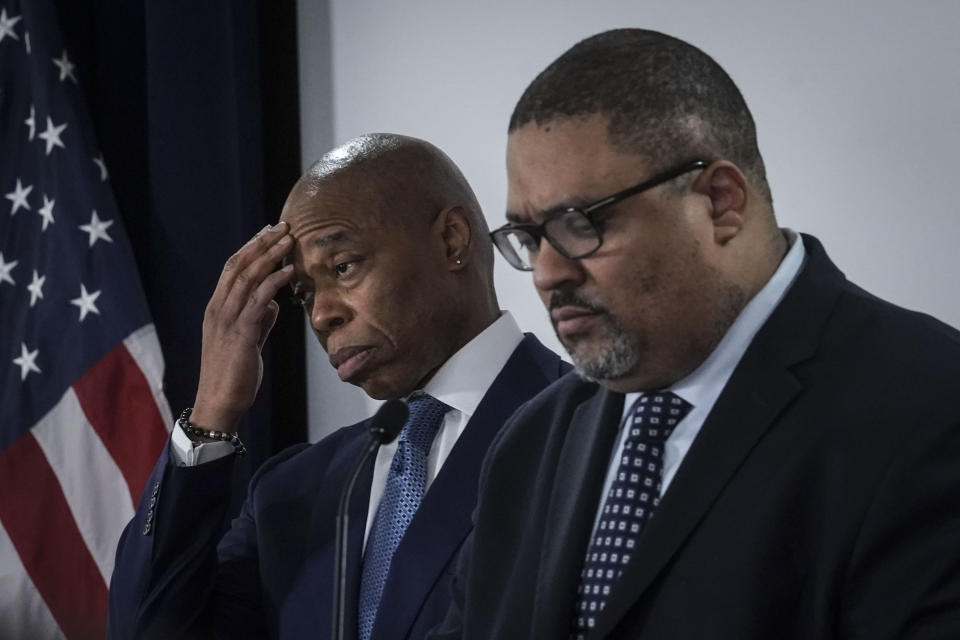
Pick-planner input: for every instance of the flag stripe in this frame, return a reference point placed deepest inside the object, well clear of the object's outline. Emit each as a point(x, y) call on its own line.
point(37, 518)
point(144, 347)
point(120, 405)
point(23, 613)
point(80, 461)
point(84, 417)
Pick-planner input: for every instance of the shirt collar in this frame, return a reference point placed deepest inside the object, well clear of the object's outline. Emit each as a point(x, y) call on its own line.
point(702, 387)
point(464, 378)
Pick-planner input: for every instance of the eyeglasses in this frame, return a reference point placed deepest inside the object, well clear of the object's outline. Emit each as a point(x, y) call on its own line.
point(571, 231)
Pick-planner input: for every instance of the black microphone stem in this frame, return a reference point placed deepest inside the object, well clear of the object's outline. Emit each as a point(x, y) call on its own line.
point(384, 427)
point(340, 542)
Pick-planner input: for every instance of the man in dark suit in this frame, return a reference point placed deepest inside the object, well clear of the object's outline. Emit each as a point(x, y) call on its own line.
point(753, 447)
point(386, 247)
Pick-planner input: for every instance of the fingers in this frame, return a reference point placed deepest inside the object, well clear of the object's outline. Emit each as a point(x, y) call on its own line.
point(267, 322)
point(236, 323)
point(256, 248)
point(247, 269)
point(260, 302)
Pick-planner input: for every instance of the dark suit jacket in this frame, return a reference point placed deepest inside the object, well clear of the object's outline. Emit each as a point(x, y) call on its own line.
point(820, 500)
point(271, 574)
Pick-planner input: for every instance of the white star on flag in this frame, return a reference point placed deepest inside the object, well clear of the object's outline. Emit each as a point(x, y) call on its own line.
point(46, 212)
point(103, 167)
point(52, 135)
point(65, 431)
point(36, 288)
point(27, 361)
point(6, 25)
point(86, 302)
point(32, 123)
point(66, 67)
point(97, 229)
point(5, 269)
point(19, 197)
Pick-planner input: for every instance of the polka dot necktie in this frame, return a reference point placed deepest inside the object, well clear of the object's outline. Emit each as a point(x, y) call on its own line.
point(631, 501)
point(406, 483)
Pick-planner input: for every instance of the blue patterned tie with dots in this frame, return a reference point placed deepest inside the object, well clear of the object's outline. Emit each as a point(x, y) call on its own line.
point(633, 496)
point(406, 483)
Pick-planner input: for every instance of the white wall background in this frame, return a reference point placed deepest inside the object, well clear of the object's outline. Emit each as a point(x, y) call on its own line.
point(856, 105)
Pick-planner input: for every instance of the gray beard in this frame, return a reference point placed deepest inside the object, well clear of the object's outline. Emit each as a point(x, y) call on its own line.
point(620, 355)
point(616, 361)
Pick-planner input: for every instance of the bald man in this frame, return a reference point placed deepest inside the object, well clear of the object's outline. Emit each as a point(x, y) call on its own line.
point(386, 248)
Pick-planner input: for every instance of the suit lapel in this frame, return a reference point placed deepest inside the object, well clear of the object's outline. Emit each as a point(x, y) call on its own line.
point(443, 520)
point(760, 388)
point(737, 422)
point(578, 482)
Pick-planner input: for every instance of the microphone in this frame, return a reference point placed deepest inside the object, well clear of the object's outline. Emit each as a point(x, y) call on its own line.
point(388, 421)
point(385, 426)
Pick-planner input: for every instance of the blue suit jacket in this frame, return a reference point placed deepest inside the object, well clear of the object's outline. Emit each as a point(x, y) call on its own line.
point(271, 574)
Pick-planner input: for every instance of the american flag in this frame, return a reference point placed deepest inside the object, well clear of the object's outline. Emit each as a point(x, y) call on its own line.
point(82, 413)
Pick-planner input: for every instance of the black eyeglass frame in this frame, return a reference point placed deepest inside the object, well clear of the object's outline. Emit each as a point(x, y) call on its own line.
point(538, 231)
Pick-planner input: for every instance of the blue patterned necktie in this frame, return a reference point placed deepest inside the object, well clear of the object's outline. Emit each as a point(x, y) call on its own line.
point(630, 503)
point(406, 483)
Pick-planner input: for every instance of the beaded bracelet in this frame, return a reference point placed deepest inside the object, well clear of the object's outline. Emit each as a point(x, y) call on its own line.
point(213, 435)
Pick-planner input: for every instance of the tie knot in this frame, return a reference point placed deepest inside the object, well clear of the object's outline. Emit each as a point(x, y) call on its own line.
point(426, 415)
point(655, 415)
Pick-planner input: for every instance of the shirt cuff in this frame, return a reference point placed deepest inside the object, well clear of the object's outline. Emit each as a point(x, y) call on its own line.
point(188, 455)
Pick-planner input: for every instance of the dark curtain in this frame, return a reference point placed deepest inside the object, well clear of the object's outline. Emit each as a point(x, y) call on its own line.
point(196, 109)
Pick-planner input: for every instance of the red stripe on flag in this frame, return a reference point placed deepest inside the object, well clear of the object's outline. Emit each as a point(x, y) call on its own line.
point(116, 398)
point(37, 518)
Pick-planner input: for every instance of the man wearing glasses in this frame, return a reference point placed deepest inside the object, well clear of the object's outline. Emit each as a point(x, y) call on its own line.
point(754, 447)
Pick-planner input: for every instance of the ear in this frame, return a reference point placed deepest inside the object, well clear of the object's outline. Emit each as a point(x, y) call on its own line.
point(456, 232)
point(726, 187)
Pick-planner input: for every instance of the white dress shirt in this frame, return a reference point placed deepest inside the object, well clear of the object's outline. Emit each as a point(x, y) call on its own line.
point(460, 383)
point(703, 386)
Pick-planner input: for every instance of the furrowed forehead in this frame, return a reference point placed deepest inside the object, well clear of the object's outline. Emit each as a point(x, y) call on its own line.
point(566, 163)
point(332, 239)
point(317, 243)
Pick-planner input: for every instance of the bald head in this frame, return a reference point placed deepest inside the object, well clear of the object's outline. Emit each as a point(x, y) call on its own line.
point(392, 260)
point(409, 180)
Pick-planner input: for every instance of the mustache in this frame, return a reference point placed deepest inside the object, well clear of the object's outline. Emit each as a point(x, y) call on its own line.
point(571, 299)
